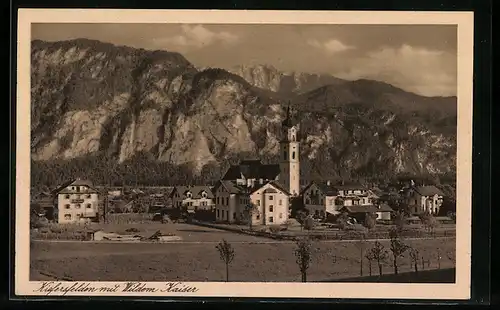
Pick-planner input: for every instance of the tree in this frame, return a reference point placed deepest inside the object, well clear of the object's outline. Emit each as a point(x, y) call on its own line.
point(430, 223)
point(398, 248)
point(301, 217)
point(451, 256)
point(226, 253)
point(399, 220)
point(379, 254)
point(361, 244)
point(370, 221)
point(309, 223)
point(370, 257)
point(303, 256)
point(415, 256)
point(250, 210)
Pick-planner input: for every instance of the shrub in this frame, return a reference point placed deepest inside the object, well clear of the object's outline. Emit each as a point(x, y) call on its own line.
point(309, 223)
point(274, 229)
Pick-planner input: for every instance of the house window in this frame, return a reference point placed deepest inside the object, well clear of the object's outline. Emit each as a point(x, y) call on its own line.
point(316, 212)
point(321, 201)
point(67, 216)
point(234, 215)
point(258, 202)
point(293, 155)
point(88, 196)
point(257, 217)
point(271, 220)
point(66, 196)
point(89, 206)
point(78, 216)
point(271, 197)
point(227, 201)
point(67, 206)
point(217, 200)
point(271, 208)
point(77, 206)
point(279, 202)
point(196, 208)
point(78, 188)
point(308, 201)
point(227, 215)
point(285, 155)
point(204, 195)
point(355, 202)
point(281, 215)
point(218, 213)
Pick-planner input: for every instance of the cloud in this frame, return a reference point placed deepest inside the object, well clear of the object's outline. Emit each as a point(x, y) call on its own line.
point(331, 46)
point(423, 71)
point(197, 36)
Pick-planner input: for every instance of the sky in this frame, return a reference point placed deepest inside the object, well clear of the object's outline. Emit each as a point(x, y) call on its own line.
point(417, 58)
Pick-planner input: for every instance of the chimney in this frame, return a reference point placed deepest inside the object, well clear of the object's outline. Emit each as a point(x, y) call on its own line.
point(328, 183)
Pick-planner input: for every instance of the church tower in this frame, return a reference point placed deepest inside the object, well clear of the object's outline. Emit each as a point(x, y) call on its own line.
point(289, 154)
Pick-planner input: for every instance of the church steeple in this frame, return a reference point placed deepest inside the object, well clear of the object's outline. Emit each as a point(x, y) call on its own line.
point(289, 145)
point(288, 122)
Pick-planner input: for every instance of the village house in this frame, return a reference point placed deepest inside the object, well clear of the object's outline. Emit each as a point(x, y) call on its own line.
point(268, 204)
point(319, 199)
point(424, 199)
point(323, 198)
point(193, 198)
point(383, 211)
point(44, 204)
point(231, 200)
point(77, 201)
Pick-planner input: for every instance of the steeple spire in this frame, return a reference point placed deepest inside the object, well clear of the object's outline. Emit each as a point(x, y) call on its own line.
point(288, 122)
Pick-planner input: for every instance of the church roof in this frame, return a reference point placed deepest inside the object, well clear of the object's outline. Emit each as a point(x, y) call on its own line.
point(252, 169)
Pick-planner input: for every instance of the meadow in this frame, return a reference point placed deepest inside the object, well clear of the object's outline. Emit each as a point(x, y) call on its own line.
point(196, 258)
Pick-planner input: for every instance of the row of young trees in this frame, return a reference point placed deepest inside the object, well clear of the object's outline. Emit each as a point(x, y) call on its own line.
point(378, 254)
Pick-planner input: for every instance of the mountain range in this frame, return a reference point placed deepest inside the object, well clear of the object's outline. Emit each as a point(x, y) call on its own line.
point(91, 99)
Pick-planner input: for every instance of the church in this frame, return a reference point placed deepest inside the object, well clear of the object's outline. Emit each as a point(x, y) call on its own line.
point(257, 192)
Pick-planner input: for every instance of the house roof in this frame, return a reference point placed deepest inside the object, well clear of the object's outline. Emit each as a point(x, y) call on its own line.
point(275, 184)
point(429, 190)
point(328, 190)
point(196, 191)
point(63, 188)
point(252, 169)
point(349, 186)
point(230, 186)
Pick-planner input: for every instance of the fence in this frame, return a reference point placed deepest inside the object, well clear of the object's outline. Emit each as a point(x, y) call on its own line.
point(129, 218)
point(327, 235)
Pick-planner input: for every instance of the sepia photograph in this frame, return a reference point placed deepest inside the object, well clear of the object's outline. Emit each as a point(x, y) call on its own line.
point(251, 152)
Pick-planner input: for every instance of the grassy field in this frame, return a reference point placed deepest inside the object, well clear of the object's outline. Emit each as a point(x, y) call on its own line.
point(196, 259)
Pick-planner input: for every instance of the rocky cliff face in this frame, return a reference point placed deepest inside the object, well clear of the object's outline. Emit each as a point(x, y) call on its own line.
point(91, 98)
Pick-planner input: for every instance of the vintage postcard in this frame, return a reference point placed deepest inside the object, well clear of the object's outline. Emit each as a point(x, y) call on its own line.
point(270, 154)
